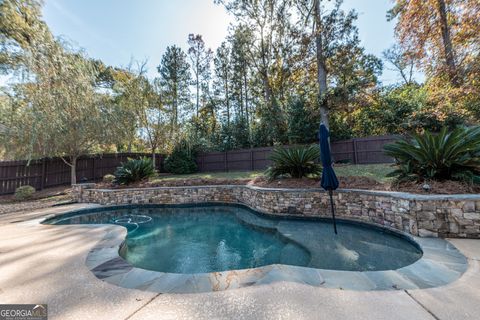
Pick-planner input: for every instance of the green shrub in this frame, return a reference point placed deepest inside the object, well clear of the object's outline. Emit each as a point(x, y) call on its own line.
point(295, 162)
point(134, 170)
point(340, 126)
point(181, 160)
point(447, 155)
point(301, 125)
point(24, 192)
point(108, 178)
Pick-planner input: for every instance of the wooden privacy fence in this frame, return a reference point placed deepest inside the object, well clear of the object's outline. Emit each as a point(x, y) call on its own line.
point(367, 150)
point(357, 151)
point(51, 172)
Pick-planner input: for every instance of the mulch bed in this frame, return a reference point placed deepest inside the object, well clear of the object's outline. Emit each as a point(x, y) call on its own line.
point(175, 183)
point(62, 191)
point(352, 182)
point(40, 199)
point(345, 183)
point(437, 187)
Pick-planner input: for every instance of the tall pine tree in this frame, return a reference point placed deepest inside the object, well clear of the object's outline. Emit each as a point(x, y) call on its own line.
point(174, 80)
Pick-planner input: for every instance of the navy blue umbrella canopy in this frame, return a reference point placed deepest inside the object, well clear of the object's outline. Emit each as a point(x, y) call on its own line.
point(329, 178)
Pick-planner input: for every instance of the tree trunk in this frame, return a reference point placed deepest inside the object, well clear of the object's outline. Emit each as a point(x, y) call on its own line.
point(227, 103)
point(321, 66)
point(447, 42)
point(73, 171)
point(154, 158)
point(268, 90)
point(246, 103)
point(404, 76)
point(174, 110)
point(198, 93)
point(175, 116)
point(227, 99)
point(268, 94)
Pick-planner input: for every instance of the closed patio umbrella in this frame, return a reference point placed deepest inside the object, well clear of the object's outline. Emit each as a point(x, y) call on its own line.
point(329, 179)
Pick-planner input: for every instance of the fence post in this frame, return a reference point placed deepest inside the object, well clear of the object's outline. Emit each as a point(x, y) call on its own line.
point(44, 175)
point(355, 155)
point(93, 169)
point(225, 161)
point(162, 163)
point(251, 160)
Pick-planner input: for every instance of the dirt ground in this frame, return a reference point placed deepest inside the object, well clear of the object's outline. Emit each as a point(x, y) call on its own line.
point(437, 187)
point(353, 182)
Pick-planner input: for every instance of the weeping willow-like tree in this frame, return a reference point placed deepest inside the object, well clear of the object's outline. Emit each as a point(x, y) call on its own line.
point(55, 107)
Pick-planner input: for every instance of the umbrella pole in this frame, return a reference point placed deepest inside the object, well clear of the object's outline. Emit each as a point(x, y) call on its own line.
point(330, 192)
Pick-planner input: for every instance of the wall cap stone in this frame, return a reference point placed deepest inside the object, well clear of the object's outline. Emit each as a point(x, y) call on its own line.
point(393, 194)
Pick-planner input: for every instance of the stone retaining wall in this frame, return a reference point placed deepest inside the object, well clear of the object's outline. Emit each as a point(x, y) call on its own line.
point(420, 215)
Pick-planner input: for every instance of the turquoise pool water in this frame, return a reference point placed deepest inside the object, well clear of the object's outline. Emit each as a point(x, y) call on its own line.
point(209, 238)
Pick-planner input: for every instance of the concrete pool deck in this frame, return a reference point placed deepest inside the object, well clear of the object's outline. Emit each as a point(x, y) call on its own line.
point(46, 264)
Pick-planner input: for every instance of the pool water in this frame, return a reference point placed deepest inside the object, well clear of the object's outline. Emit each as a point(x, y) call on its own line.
point(210, 238)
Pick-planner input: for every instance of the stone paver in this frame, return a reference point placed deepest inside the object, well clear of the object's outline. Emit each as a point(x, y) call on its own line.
point(471, 247)
point(461, 299)
point(46, 264)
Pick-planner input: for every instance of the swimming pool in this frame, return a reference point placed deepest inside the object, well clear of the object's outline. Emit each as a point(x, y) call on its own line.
point(190, 239)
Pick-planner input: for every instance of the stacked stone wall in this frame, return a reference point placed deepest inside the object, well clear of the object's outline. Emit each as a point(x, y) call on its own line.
point(420, 215)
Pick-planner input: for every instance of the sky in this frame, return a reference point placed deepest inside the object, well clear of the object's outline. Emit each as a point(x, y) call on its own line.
point(117, 31)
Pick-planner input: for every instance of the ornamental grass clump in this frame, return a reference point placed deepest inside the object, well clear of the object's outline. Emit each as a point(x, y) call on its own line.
point(295, 162)
point(24, 192)
point(448, 155)
point(134, 170)
point(108, 178)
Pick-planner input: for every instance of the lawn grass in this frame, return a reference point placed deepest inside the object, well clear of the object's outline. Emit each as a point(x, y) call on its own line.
point(375, 171)
point(212, 175)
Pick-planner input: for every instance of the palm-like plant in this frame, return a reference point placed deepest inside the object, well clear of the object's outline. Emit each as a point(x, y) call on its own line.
point(134, 170)
point(447, 155)
point(296, 162)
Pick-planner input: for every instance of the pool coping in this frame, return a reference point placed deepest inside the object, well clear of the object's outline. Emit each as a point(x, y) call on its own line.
point(440, 264)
